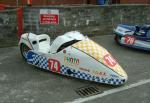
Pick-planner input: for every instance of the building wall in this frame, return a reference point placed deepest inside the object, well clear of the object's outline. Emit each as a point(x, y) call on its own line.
point(135, 1)
point(9, 2)
point(72, 2)
point(90, 20)
point(8, 27)
point(58, 2)
point(46, 2)
point(95, 20)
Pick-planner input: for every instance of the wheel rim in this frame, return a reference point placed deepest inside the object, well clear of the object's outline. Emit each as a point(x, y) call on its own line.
point(117, 38)
point(24, 50)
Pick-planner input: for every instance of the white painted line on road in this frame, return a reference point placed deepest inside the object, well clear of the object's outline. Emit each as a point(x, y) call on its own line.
point(112, 91)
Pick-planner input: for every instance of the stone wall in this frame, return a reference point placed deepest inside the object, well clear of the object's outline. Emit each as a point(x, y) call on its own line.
point(91, 20)
point(8, 27)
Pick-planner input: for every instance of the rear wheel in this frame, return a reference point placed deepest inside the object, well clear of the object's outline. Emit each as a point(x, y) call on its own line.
point(24, 50)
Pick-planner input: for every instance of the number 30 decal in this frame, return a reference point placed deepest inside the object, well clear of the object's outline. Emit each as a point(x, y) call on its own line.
point(54, 65)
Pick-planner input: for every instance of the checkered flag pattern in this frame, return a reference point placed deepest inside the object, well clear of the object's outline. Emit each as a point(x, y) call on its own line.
point(39, 61)
point(42, 62)
point(91, 48)
point(78, 74)
point(98, 52)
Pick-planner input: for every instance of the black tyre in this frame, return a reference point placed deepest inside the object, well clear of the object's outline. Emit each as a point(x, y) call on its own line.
point(117, 39)
point(24, 49)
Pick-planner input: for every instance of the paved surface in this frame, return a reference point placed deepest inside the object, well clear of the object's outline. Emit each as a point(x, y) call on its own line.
point(23, 83)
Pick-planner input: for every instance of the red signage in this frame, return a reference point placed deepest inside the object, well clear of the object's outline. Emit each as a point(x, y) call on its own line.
point(48, 16)
point(49, 19)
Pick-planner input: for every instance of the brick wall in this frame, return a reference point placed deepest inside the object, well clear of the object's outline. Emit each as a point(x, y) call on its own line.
point(9, 2)
point(60, 2)
point(91, 20)
point(135, 1)
point(47, 2)
point(8, 27)
point(64, 2)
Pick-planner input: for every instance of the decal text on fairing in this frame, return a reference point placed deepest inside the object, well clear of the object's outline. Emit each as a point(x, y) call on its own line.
point(99, 73)
point(114, 76)
point(71, 60)
point(84, 69)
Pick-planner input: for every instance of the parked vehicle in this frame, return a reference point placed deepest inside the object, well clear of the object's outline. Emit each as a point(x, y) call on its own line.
point(74, 55)
point(133, 36)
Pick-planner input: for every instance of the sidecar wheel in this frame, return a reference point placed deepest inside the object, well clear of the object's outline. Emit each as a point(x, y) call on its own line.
point(24, 50)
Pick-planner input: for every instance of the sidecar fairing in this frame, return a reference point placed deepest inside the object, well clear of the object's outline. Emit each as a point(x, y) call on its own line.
point(133, 36)
point(72, 54)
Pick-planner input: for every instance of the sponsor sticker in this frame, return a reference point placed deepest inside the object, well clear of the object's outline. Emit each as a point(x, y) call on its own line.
point(114, 76)
point(84, 69)
point(99, 73)
point(71, 60)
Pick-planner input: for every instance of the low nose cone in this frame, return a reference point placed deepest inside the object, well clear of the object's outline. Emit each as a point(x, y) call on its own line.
point(110, 62)
point(102, 55)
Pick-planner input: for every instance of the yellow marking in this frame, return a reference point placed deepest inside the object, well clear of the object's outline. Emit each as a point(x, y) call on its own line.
point(97, 52)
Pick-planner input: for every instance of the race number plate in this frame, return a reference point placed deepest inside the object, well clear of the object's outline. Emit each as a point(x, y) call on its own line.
point(54, 65)
point(109, 60)
point(129, 40)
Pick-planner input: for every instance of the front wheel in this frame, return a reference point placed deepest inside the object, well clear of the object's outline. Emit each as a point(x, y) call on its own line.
point(24, 50)
point(117, 39)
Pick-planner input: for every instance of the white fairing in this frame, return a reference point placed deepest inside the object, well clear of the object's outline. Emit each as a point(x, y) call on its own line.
point(44, 46)
point(69, 36)
point(84, 59)
point(39, 43)
point(24, 40)
point(123, 31)
point(86, 62)
point(42, 42)
point(130, 39)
